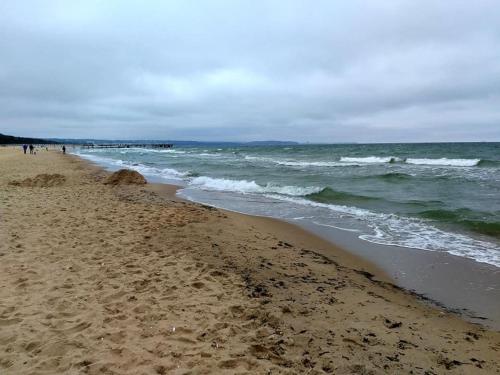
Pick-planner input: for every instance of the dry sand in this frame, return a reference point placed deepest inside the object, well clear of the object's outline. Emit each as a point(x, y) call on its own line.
point(101, 279)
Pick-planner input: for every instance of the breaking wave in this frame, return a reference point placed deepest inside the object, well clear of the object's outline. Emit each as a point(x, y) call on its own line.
point(418, 161)
point(370, 159)
point(316, 164)
point(244, 186)
point(445, 162)
point(166, 173)
point(394, 230)
point(358, 161)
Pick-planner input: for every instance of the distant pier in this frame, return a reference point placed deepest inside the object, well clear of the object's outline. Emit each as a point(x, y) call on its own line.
point(129, 145)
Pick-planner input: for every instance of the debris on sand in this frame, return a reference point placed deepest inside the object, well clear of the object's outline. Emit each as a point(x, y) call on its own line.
point(392, 324)
point(125, 177)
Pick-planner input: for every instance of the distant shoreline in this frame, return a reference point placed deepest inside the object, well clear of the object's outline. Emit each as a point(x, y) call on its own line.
point(80, 141)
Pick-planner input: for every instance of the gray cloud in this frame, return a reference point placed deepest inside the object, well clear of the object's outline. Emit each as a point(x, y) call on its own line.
point(234, 70)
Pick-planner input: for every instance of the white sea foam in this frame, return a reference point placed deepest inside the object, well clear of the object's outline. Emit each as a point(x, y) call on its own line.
point(260, 158)
point(207, 154)
point(370, 159)
point(394, 230)
point(222, 184)
point(244, 186)
point(358, 161)
point(99, 159)
point(359, 212)
point(445, 162)
point(169, 151)
point(316, 163)
point(293, 163)
point(166, 173)
point(417, 161)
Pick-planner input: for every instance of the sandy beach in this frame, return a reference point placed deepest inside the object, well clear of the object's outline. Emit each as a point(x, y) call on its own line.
point(128, 279)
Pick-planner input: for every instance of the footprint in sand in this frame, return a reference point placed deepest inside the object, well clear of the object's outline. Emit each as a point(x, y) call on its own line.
point(235, 363)
point(75, 329)
point(198, 285)
point(32, 346)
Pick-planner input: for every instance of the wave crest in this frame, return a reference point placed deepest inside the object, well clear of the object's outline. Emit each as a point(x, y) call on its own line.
point(166, 173)
point(328, 195)
point(445, 162)
point(293, 163)
point(245, 186)
point(468, 219)
point(370, 159)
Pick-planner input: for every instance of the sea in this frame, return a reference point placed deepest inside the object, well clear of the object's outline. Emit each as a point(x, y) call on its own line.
point(438, 197)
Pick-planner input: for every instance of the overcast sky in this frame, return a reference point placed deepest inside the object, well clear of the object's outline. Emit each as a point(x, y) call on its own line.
point(317, 71)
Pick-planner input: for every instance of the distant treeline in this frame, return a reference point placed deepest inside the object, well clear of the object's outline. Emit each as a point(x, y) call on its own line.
point(11, 140)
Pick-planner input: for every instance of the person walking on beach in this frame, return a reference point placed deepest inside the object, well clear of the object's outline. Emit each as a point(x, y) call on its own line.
point(64, 149)
point(25, 147)
point(31, 149)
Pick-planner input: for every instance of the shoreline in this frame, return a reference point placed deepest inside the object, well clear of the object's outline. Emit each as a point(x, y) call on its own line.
point(432, 276)
point(128, 279)
point(331, 246)
point(361, 261)
point(285, 228)
point(428, 275)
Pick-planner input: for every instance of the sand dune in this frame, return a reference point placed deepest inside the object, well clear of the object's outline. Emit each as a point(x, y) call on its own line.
point(102, 279)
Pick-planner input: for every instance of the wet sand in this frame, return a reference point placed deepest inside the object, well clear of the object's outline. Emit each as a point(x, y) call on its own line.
point(463, 285)
point(100, 279)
